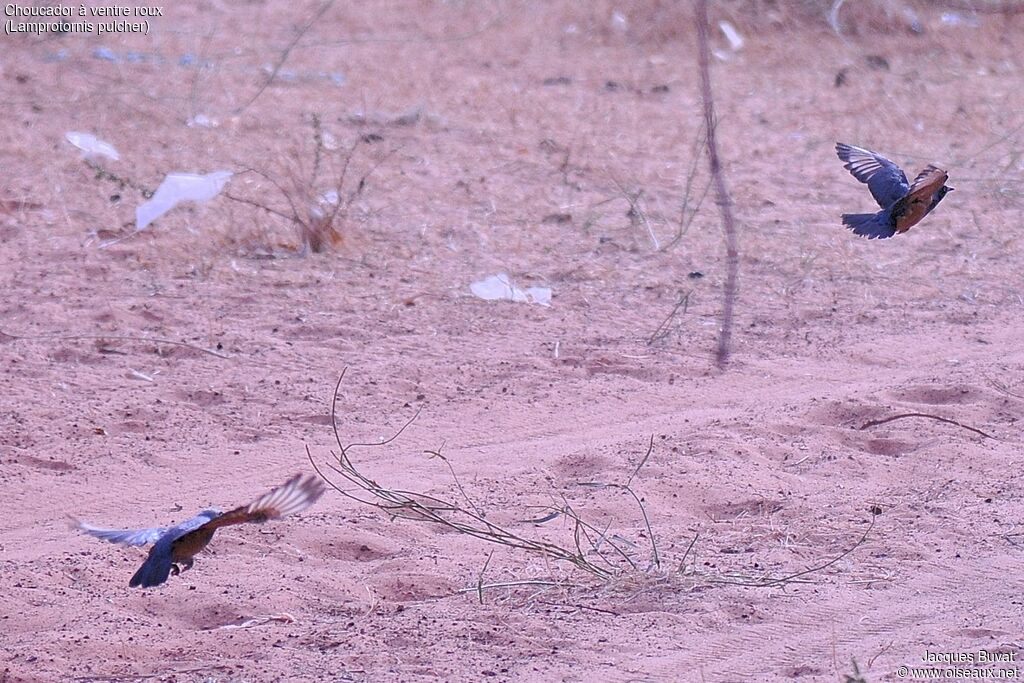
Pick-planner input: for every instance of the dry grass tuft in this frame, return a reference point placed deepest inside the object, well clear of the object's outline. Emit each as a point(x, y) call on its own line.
point(312, 191)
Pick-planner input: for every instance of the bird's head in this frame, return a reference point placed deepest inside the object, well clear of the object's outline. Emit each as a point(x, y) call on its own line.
point(937, 197)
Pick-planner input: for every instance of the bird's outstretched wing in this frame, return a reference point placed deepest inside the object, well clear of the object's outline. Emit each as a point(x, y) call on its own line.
point(886, 180)
point(929, 180)
point(134, 537)
point(295, 495)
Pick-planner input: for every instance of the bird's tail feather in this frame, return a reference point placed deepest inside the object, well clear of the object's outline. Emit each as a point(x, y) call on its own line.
point(870, 225)
point(153, 572)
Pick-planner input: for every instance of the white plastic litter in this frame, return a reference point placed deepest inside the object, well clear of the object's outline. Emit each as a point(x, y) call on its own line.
point(619, 21)
point(322, 207)
point(501, 288)
point(330, 142)
point(736, 41)
point(91, 146)
point(958, 19)
point(202, 121)
point(177, 188)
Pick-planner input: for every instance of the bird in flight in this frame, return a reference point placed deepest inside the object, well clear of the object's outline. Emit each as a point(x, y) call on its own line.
point(179, 544)
point(903, 204)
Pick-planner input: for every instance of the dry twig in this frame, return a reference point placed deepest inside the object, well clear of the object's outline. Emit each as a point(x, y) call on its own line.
point(686, 212)
point(637, 215)
point(593, 550)
point(428, 508)
point(875, 423)
point(283, 57)
point(724, 199)
point(666, 327)
point(770, 581)
point(119, 337)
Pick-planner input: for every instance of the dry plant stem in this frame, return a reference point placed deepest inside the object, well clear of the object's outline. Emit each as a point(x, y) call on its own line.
point(193, 96)
point(643, 461)
point(578, 607)
point(647, 522)
point(423, 507)
point(317, 226)
point(541, 520)
point(767, 582)
point(687, 214)
point(584, 529)
point(682, 562)
point(294, 217)
point(455, 477)
point(154, 340)
point(724, 199)
point(663, 329)
point(472, 522)
point(655, 559)
point(362, 181)
point(283, 57)
point(327, 222)
point(871, 662)
point(318, 149)
point(257, 205)
point(875, 423)
point(410, 505)
point(1001, 386)
point(518, 584)
point(636, 212)
point(480, 578)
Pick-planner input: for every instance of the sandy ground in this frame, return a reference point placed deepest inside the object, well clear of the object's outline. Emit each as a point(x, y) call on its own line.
point(554, 142)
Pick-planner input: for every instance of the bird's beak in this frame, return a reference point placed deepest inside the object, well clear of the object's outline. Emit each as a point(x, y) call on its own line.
point(949, 189)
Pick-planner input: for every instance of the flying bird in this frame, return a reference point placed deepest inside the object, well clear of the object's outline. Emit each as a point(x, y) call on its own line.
point(903, 204)
point(179, 544)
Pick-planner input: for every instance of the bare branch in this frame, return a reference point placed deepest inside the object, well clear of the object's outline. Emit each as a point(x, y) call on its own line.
point(875, 423)
point(767, 581)
point(283, 57)
point(724, 199)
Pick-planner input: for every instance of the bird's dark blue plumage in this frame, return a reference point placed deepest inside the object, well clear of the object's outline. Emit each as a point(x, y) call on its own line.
point(903, 204)
point(886, 181)
point(871, 225)
point(157, 566)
